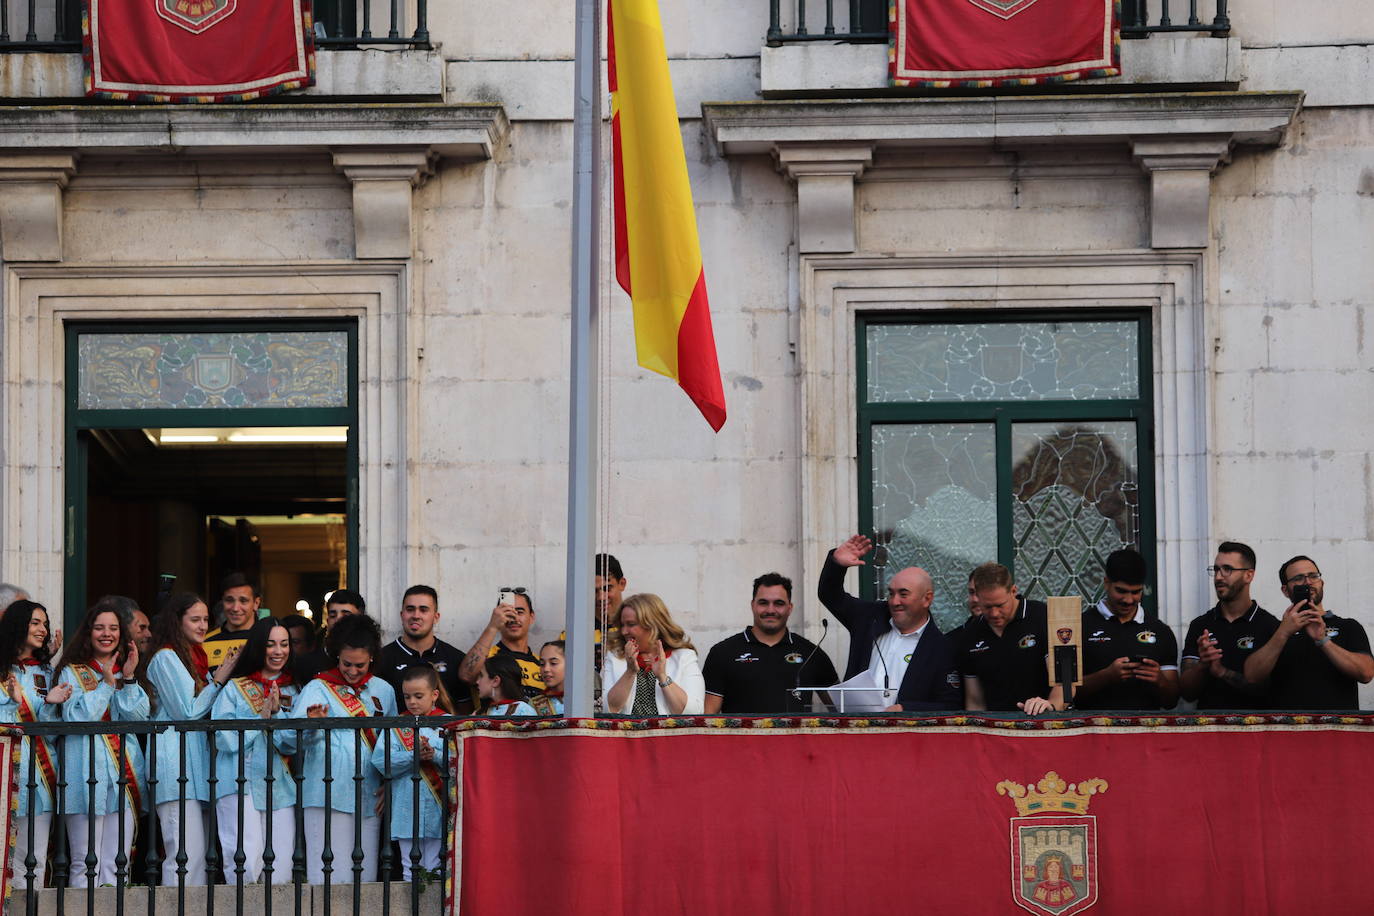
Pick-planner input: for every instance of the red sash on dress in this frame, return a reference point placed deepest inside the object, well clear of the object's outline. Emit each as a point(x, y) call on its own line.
point(90, 681)
point(428, 769)
point(348, 698)
point(42, 754)
point(254, 694)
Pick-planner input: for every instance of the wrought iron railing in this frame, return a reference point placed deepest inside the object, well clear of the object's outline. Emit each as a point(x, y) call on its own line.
point(865, 21)
point(55, 25)
point(139, 872)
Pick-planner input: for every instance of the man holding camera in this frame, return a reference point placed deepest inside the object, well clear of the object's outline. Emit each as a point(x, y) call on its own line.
point(1128, 662)
point(1220, 641)
point(1314, 659)
point(507, 631)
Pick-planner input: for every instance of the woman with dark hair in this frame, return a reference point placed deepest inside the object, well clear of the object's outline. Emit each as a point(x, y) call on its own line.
point(263, 689)
point(98, 666)
point(652, 668)
point(179, 674)
point(331, 758)
point(29, 695)
point(499, 687)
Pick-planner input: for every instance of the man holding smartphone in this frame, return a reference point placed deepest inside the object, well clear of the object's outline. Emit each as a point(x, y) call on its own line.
point(507, 632)
point(1219, 641)
point(1128, 662)
point(1313, 659)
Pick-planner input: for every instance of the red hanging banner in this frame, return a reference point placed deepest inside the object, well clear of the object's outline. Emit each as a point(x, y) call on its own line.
point(988, 43)
point(1123, 816)
point(196, 50)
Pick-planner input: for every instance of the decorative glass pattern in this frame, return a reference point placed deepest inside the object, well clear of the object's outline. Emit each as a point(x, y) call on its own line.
point(1076, 499)
point(1030, 361)
point(935, 506)
point(185, 370)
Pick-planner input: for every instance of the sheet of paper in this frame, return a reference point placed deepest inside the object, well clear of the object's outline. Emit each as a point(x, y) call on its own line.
point(861, 693)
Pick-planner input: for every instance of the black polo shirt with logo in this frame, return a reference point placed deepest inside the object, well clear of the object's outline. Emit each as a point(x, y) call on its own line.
point(1106, 638)
point(442, 657)
point(1236, 639)
point(751, 677)
point(1011, 667)
point(1304, 678)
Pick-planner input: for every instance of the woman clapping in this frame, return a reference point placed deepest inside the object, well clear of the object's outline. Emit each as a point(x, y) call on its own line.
point(652, 668)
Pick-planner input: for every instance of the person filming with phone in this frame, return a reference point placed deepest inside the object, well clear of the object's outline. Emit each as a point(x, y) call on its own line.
point(1129, 661)
point(1313, 659)
point(507, 633)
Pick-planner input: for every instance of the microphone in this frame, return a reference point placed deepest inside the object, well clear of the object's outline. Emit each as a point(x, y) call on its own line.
point(887, 689)
point(825, 631)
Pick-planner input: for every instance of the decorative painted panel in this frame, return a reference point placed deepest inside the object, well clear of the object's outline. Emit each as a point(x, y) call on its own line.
point(188, 370)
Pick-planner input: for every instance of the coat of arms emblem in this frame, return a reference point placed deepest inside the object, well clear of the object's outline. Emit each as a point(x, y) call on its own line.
point(1002, 9)
point(194, 16)
point(1053, 845)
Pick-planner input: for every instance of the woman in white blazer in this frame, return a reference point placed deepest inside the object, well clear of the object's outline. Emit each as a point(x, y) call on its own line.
point(652, 668)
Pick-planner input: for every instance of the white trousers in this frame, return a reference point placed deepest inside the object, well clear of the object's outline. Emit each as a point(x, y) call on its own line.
point(106, 846)
point(168, 818)
point(254, 839)
point(42, 824)
point(341, 841)
point(429, 854)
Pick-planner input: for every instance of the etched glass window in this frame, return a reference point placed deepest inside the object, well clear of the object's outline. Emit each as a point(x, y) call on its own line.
point(1006, 361)
point(935, 505)
point(189, 369)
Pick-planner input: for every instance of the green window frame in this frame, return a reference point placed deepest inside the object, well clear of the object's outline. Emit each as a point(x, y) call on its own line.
point(79, 420)
point(1001, 417)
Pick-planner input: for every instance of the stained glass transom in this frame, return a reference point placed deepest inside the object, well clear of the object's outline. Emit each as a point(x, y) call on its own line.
point(1031, 361)
point(186, 370)
point(935, 506)
point(1076, 499)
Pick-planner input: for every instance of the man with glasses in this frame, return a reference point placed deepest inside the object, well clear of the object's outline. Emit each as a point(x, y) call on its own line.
point(1128, 662)
point(1003, 652)
point(507, 631)
point(1219, 641)
point(755, 671)
point(1312, 658)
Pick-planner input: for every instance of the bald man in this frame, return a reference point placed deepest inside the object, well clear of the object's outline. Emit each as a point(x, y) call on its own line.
point(894, 640)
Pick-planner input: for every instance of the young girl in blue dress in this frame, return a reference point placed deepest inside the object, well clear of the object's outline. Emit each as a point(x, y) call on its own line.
point(332, 793)
point(179, 673)
point(408, 753)
point(264, 688)
point(29, 695)
point(98, 667)
point(551, 667)
point(498, 685)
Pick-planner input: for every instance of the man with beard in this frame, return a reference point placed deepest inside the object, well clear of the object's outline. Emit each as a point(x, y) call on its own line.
point(755, 671)
point(1313, 659)
point(1219, 641)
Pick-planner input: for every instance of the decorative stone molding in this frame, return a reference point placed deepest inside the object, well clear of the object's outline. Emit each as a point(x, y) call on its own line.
point(382, 183)
point(31, 187)
point(1181, 187)
point(825, 177)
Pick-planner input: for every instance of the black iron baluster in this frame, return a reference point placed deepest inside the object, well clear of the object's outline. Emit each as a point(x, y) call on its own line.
point(1164, 14)
point(367, 19)
point(1192, 13)
point(152, 867)
point(181, 857)
point(31, 35)
point(121, 788)
point(214, 859)
point(91, 860)
point(5, 19)
point(384, 822)
point(327, 858)
point(415, 852)
point(339, 20)
point(269, 856)
point(422, 21)
point(30, 859)
point(829, 17)
point(1221, 22)
point(240, 857)
point(395, 20)
point(801, 17)
point(60, 863)
point(446, 781)
point(358, 781)
point(298, 844)
point(855, 22)
point(59, 34)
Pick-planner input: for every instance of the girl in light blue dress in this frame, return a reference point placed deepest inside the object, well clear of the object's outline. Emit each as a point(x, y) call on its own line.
point(340, 784)
point(29, 696)
point(263, 689)
point(412, 758)
point(98, 667)
point(551, 667)
point(179, 673)
point(498, 685)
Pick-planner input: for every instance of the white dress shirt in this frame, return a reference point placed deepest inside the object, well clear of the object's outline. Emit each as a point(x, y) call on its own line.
point(892, 653)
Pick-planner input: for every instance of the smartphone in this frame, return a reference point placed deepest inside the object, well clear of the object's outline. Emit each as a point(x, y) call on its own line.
point(507, 597)
point(1301, 593)
point(1140, 659)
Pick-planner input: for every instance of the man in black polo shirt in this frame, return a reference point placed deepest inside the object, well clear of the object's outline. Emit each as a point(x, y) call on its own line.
point(1313, 659)
point(1219, 641)
point(755, 671)
point(1003, 651)
point(1128, 662)
point(417, 644)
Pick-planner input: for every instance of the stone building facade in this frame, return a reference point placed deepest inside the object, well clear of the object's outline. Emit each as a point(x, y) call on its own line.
point(1216, 202)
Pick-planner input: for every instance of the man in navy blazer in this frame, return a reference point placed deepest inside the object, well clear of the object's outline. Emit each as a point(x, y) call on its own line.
point(894, 640)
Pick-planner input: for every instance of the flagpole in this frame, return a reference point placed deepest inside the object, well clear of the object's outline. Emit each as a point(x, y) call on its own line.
point(583, 382)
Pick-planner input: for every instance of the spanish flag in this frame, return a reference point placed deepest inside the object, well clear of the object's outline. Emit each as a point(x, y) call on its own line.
point(656, 246)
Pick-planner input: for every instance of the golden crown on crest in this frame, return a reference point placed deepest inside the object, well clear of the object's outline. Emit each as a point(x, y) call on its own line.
point(1052, 794)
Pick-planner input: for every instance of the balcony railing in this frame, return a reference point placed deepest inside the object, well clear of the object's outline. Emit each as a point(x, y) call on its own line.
point(865, 21)
point(55, 25)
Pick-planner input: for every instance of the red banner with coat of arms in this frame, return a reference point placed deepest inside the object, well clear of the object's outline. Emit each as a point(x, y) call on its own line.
point(196, 50)
point(988, 43)
point(1127, 816)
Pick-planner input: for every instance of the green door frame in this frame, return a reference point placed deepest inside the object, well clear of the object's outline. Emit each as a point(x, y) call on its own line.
point(1003, 414)
point(79, 422)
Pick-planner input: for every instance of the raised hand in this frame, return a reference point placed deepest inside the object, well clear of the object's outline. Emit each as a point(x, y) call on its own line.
point(59, 694)
point(226, 667)
point(317, 711)
point(851, 552)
